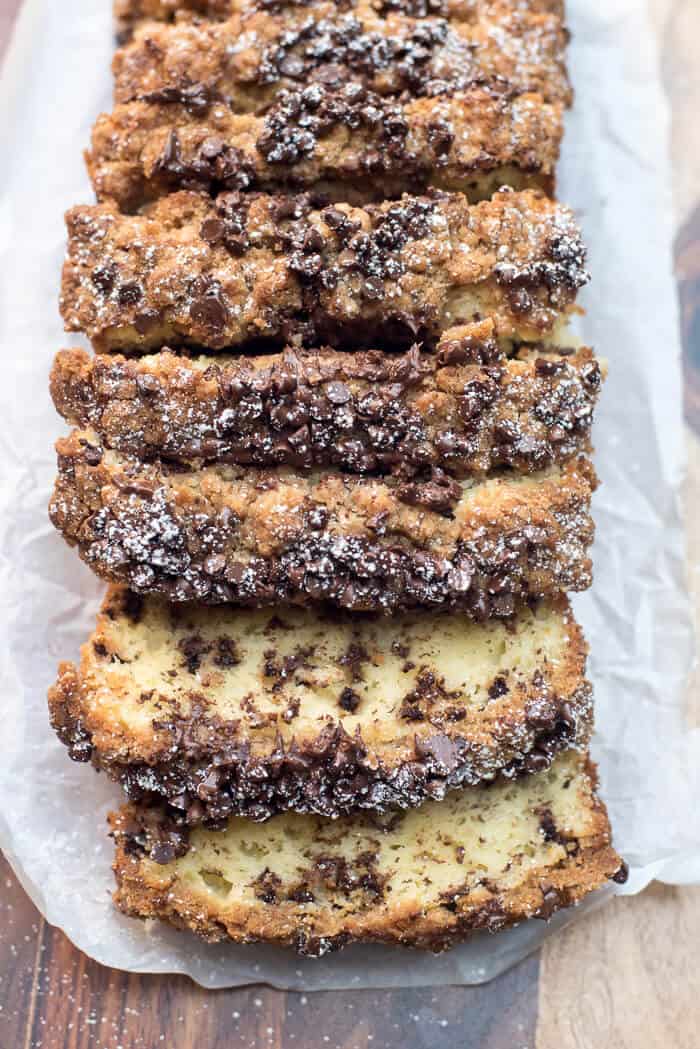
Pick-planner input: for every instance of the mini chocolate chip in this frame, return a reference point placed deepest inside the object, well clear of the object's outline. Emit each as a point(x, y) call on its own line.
point(373, 288)
point(317, 518)
point(226, 653)
point(313, 240)
point(92, 453)
point(590, 373)
point(291, 66)
point(103, 277)
point(349, 700)
point(545, 367)
point(129, 294)
point(284, 208)
point(306, 266)
point(215, 564)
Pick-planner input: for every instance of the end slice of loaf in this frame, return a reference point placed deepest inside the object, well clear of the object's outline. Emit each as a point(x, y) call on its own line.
point(263, 48)
point(129, 13)
point(482, 858)
point(220, 711)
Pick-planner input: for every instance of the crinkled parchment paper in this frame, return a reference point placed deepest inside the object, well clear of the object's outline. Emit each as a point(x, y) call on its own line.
point(616, 174)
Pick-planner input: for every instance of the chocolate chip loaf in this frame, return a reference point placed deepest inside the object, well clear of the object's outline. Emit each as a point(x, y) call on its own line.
point(220, 710)
point(225, 533)
point(464, 409)
point(483, 858)
point(246, 269)
point(332, 455)
point(262, 49)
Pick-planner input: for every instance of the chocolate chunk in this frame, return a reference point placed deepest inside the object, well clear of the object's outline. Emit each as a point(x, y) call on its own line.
point(621, 874)
point(212, 230)
point(163, 852)
point(499, 687)
point(193, 649)
point(210, 311)
point(550, 903)
point(226, 653)
point(196, 98)
point(441, 750)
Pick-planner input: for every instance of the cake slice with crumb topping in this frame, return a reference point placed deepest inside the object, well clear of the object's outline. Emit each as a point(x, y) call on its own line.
point(483, 858)
point(262, 49)
point(128, 13)
point(252, 269)
point(216, 711)
point(224, 533)
point(344, 144)
point(464, 409)
point(360, 103)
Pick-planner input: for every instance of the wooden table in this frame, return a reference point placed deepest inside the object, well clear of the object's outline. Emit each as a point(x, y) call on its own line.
point(624, 978)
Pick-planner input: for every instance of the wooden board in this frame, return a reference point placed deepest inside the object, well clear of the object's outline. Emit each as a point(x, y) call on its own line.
point(623, 978)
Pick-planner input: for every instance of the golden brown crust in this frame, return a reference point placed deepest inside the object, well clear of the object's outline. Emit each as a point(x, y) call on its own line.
point(223, 533)
point(259, 713)
point(344, 142)
point(360, 898)
point(128, 13)
point(246, 60)
point(463, 409)
point(246, 268)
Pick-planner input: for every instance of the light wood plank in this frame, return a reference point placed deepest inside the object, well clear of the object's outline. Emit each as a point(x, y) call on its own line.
point(624, 977)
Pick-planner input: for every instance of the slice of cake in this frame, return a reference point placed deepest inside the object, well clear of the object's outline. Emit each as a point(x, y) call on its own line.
point(463, 409)
point(483, 858)
point(129, 13)
point(261, 49)
point(226, 533)
point(222, 710)
point(343, 142)
point(362, 103)
point(245, 269)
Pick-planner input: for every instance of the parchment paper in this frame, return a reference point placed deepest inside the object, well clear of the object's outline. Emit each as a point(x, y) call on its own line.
point(616, 174)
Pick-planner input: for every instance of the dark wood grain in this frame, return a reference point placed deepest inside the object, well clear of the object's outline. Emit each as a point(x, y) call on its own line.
point(21, 935)
point(53, 997)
